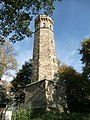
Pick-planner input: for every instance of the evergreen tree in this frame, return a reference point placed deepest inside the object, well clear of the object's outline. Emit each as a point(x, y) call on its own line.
point(85, 52)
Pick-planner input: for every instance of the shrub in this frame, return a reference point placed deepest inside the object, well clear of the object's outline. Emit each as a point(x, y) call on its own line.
point(40, 114)
point(22, 114)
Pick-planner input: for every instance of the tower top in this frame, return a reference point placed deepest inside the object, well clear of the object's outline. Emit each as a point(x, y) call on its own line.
point(44, 21)
point(43, 17)
point(44, 53)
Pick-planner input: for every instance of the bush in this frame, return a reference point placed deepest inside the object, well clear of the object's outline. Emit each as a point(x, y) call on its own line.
point(40, 114)
point(22, 114)
point(75, 116)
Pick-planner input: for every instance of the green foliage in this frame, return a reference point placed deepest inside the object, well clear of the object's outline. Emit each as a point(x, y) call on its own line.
point(77, 89)
point(22, 114)
point(7, 58)
point(22, 78)
point(78, 92)
point(48, 115)
point(2, 40)
point(3, 97)
point(15, 16)
point(75, 116)
point(85, 52)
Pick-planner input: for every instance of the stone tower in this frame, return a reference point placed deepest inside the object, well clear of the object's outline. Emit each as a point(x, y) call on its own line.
point(44, 92)
point(44, 53)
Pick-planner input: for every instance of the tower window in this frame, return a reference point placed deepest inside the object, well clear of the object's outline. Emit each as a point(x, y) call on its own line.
point(51, 41)
point(53, 60)
point(44, 25)
point(56, 87)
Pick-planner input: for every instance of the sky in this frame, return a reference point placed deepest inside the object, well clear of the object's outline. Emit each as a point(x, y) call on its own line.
point(71, 27)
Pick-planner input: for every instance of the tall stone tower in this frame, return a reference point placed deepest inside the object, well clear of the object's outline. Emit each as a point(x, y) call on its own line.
point(44, 53)
point(44, 92)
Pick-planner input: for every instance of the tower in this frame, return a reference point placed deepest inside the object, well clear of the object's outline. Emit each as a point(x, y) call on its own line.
point(44, 53)
point(44, 92)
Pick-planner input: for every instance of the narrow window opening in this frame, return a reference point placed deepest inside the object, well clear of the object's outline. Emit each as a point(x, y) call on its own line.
point(56, 87)
point(50, 27)
point(44, 25)
point(51, 41)
point(53, 60)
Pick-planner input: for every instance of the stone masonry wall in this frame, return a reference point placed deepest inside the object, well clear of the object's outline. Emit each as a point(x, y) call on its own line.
point(46, 94)
point(35, 95)
point(44, 53)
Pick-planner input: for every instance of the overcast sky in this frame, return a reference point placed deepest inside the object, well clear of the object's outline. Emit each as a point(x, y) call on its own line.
point(71, 27)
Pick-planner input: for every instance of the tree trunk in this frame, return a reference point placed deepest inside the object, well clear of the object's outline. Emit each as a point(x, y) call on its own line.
point(1, 113)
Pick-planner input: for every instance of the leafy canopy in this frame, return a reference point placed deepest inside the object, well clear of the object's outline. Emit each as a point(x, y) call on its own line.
point(77, 89)
point(22, 78)
point(85, 52)
point(7, 58)
point(16, 15)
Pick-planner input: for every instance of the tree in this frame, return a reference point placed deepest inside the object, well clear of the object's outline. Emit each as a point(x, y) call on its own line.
point(77, 89)
point(85, 52)
point(7, 58)
point(22, 79)
point(7, 63)
point(3, 98)
point(15, 16)
point(2, 40)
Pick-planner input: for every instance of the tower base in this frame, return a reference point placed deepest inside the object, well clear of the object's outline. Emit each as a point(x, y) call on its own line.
point(45, 94)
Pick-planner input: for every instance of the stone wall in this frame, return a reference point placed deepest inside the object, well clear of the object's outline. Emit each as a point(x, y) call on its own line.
point(35, 95)
point(46, 94)
point(44, 53)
